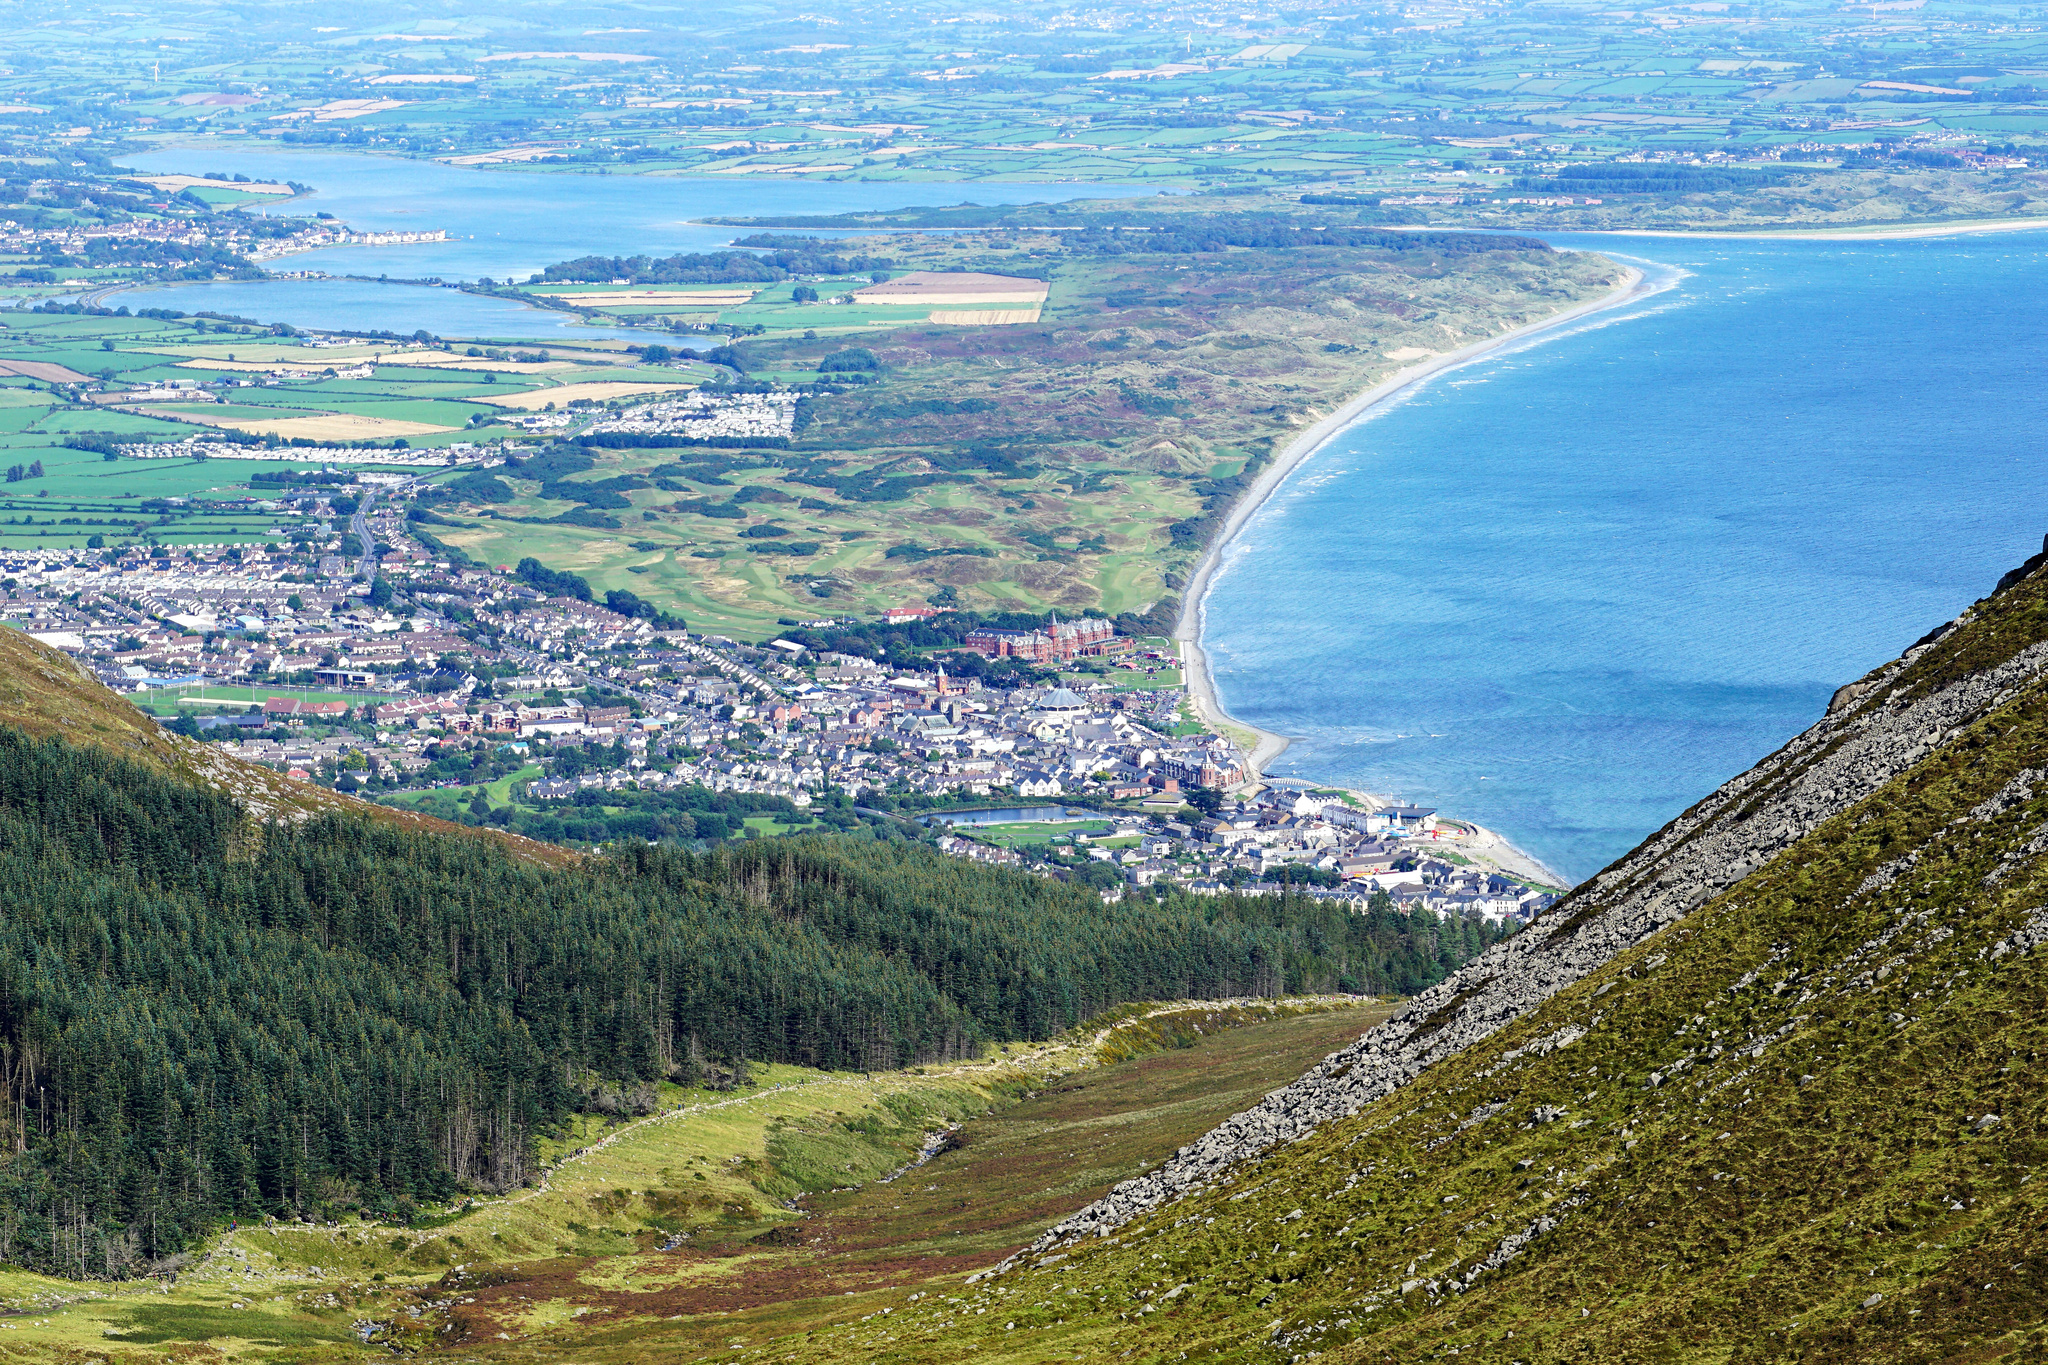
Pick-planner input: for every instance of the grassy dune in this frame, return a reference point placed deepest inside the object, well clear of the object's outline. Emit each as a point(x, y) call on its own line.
point(1077, 462)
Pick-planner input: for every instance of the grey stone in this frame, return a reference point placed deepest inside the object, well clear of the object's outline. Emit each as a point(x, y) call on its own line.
point(1864, 741)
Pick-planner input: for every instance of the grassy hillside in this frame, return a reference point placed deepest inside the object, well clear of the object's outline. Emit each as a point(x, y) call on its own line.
point(339, 1017)
point(225, 999)
point(753, 1213)
point(1801, 1121)
point(1763, 1090)
point(45, 694)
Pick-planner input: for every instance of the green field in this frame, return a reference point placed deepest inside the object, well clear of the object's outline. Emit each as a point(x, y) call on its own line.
point(1128, 680)
point(81, 493)
point(168, 701)
point(1040, 833)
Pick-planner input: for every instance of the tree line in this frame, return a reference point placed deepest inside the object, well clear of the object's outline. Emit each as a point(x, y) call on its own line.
point(202, 1018)
point(713, 267)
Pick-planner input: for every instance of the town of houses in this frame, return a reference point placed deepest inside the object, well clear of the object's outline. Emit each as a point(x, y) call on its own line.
point(708, 415)
point(1257, 845)
point(362, 687)
point(223, 231)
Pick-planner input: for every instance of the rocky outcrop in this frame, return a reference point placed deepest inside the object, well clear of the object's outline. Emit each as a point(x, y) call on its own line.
point(1875, 729)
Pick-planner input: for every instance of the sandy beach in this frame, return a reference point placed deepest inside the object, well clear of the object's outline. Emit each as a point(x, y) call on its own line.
point(1485, 846)
point(1459, 838)
point(1268, 746)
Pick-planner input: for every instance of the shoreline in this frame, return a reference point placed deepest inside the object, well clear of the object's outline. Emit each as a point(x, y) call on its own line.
point(1187, 629)
point(1483, 846)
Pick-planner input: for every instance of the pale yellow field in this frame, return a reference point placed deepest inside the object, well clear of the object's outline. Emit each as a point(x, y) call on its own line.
point(448, 360)
point(246, 352)
point(966, 289)
point(507, 154)
point(258, 366)
point(579, 56)
point(338, 426)
point(339, 109)
point(535, 399)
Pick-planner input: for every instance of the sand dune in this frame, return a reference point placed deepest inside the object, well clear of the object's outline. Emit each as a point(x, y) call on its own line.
point(984, 317)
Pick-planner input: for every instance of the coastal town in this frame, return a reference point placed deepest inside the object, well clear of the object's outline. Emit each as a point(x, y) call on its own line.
point(360, 655)
point(228, 245)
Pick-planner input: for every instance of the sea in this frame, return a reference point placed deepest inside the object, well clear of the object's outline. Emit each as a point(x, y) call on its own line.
point(1570, 588)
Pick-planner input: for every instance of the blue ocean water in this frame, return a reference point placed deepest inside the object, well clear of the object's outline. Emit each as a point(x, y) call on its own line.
point(1570, 588)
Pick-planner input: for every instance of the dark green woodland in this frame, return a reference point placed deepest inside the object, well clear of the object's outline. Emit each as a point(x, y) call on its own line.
point(204, 1019)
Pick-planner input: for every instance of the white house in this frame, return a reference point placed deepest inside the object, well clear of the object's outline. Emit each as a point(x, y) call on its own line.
point(1038, 782)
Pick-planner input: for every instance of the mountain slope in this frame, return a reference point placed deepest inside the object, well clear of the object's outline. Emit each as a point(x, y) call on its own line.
point(224, 995)
point(1767, 1088)
point(45, 693)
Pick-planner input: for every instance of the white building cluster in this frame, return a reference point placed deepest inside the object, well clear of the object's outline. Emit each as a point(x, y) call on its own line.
point(708, 415)
point(439, 457)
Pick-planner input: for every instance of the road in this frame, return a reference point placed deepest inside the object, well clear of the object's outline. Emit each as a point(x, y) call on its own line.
point(535, 661)
point(366, 566)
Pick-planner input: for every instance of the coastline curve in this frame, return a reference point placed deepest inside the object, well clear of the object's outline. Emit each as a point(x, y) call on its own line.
point(1188, 628)
point(1885, 232)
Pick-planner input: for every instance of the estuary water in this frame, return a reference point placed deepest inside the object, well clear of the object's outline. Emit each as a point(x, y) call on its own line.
point(371, 306)
point(507, 224)
point(1570, 588)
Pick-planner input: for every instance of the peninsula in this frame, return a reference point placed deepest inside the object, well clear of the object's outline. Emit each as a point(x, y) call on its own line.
point(1075, 452)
